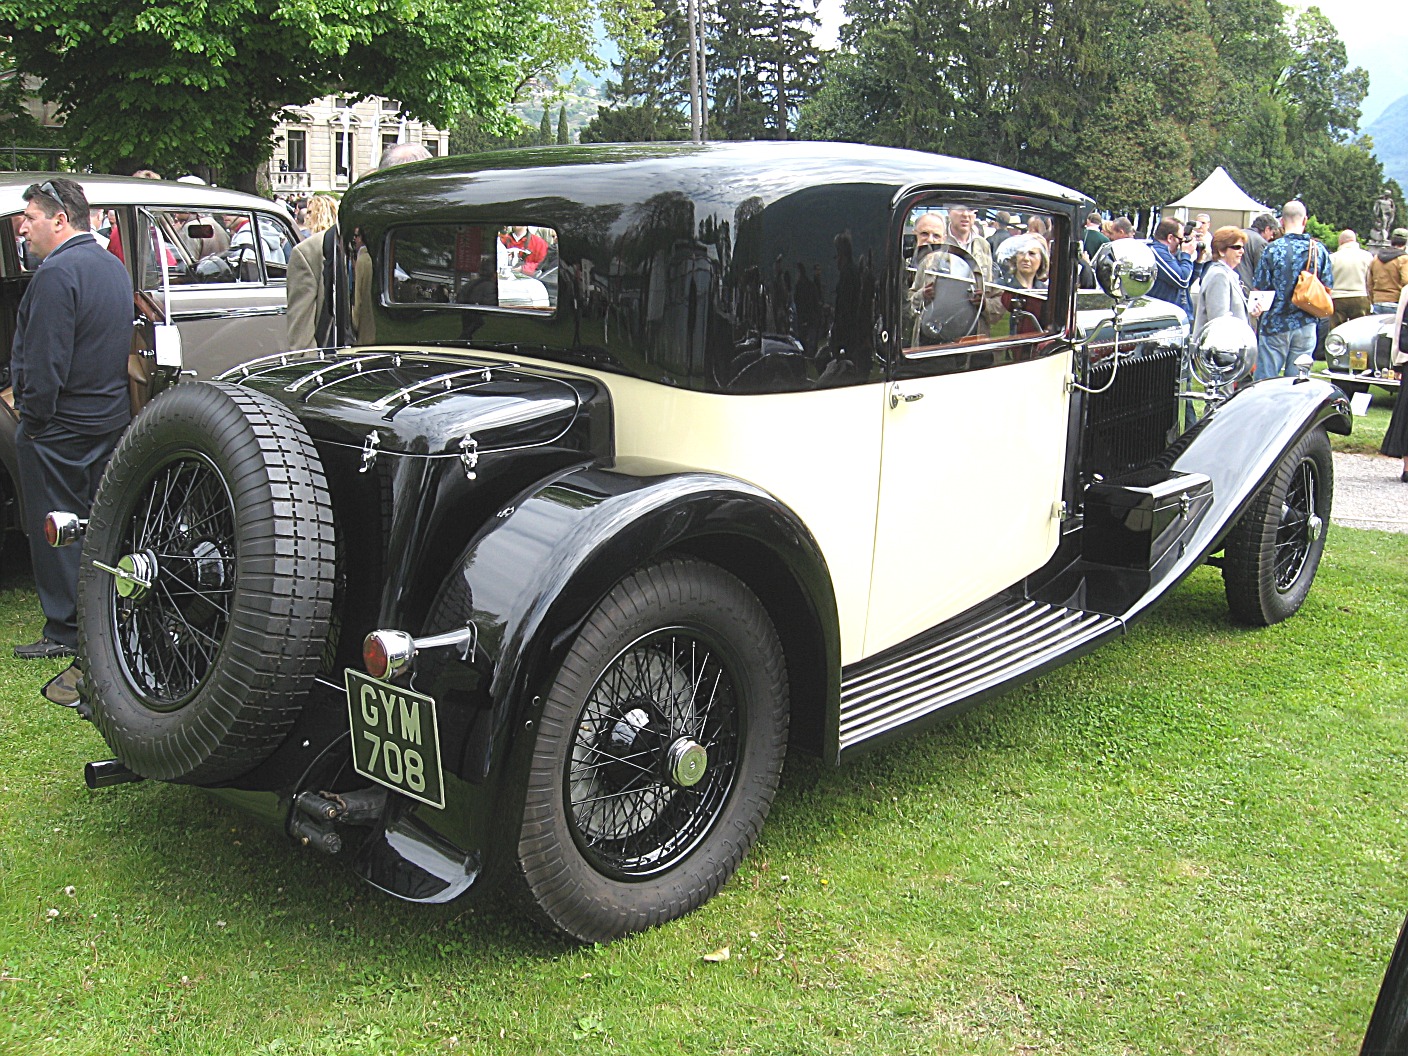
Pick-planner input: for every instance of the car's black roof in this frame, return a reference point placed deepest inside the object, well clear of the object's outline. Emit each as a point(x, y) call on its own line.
point(719, 175)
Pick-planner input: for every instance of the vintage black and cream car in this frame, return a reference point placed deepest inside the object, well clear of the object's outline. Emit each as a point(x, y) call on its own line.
point(540, 586)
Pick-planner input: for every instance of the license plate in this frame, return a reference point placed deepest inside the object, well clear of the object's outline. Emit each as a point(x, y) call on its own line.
point(395, 739)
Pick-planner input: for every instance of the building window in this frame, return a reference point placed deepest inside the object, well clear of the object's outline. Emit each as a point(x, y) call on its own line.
point(391, 104)
point(344, 153)
point(297, 150)
point(388, 139)
point(433, 145)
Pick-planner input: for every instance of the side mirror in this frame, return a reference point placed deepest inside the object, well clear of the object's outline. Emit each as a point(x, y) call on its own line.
point(1125, 269)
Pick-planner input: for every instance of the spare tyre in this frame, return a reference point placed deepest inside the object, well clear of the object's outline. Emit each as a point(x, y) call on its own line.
point(206, 586)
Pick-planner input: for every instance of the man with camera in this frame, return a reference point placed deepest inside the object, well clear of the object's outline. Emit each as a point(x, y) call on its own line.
point(1173, 253)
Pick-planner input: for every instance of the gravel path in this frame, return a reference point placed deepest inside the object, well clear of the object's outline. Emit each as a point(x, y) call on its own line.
point(1368, 493)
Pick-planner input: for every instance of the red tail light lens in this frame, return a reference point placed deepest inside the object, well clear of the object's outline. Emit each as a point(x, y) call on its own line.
point(374, 657)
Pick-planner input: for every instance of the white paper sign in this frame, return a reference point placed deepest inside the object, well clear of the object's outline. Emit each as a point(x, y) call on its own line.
point(1359, 403)
point(1262, 298)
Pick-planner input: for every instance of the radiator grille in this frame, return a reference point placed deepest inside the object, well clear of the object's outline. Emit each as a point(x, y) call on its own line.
point(1131, 423)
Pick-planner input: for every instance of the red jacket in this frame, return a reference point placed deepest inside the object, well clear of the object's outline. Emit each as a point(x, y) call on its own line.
point(532, 248)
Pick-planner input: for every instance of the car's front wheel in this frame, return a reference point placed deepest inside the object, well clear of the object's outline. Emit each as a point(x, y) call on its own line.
point(657, 755)
point(1274, 550)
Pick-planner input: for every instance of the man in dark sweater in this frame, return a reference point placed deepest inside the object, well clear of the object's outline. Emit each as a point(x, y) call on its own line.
point(69, 369)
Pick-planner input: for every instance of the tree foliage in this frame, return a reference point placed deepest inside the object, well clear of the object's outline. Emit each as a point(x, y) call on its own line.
point(173, 84)
point(1135, 101)
point(761, 61)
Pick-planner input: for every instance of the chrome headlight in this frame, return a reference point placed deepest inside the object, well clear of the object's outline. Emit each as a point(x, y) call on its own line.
point(1224, 355)
point(1335, 346)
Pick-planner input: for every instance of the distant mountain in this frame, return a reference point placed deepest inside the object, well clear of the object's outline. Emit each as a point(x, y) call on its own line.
point(1390, 134)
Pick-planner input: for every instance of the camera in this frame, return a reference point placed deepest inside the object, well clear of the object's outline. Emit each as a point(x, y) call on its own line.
point(1189, 226)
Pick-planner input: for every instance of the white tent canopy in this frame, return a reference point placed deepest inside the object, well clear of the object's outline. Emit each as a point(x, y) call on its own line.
point(1226, 204)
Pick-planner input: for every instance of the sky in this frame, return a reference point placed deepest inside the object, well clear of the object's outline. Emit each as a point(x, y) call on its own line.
point(1375, 35)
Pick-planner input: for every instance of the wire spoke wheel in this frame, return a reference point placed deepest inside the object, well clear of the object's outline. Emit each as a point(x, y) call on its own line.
point(1299, 526)
point(657, 755)
point(182, 534)
point(1273, 552)
point(667, 693)
point(206, 584)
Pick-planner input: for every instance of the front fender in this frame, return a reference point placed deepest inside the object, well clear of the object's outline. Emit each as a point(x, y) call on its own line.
point(1238, 447)
point(530, 578)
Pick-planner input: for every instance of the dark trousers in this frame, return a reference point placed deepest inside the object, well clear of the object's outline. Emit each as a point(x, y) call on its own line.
point(59, 470)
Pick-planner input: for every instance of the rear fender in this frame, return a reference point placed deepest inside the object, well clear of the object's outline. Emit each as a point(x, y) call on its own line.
point(529, 579)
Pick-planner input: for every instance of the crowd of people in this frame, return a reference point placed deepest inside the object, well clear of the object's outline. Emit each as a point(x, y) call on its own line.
point(1252, 274)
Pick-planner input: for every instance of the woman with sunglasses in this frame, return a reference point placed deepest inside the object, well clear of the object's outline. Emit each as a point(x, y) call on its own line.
point(1221, 292)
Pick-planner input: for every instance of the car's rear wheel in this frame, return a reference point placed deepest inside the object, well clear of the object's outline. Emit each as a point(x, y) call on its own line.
point(1274, 550)
point(657, 755)
point(205, 592)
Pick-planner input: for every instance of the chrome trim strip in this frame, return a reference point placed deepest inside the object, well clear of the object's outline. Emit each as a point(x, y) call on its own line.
point(272, 362)
point(357, 362)
point(999, 649)
point(440, 383)
point(196, 315)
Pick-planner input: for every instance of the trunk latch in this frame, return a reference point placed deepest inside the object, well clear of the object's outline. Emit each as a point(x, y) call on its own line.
point(369, 449)
point(469, 455)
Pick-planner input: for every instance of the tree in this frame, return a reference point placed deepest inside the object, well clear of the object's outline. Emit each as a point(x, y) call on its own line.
point(763, 64)
point(545, 129)
point(1325, 93)
point(1143, 153)
point(178, 83)
point(472, 135)
point(635, 124)
point(1341, 184)
point(564, 134)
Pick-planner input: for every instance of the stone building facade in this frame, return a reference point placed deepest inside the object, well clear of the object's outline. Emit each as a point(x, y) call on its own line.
point(327, 144)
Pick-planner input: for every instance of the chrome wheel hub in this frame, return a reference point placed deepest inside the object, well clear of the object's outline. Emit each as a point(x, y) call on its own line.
point(686, 760)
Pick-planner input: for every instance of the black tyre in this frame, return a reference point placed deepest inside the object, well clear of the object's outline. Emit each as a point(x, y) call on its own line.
point(1273, 551)
point(657, 756)
point(201, 651)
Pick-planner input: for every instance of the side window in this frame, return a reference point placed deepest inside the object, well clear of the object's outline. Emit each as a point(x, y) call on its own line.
point(159, 241)
point(245, 244)
point(277, 240)
point(491, 265)
point(975, 274)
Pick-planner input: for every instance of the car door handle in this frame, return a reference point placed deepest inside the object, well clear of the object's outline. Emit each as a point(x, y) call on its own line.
point(896, 396)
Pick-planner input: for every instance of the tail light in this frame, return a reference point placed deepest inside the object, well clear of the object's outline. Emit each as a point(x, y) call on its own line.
point(386, 653)
point(61, 529)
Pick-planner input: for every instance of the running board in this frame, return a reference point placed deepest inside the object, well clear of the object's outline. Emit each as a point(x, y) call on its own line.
point(971, 657)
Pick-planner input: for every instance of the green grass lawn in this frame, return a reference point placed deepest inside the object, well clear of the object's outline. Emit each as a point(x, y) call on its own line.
point(1192, 841)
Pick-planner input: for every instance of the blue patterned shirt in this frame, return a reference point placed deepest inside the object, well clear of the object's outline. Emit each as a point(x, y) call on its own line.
point(1278, 269)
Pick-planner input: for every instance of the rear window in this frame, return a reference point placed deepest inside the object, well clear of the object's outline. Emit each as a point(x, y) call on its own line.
point(505, 266)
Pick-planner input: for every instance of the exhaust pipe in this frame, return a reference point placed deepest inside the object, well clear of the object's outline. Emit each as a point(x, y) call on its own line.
point(104, 773)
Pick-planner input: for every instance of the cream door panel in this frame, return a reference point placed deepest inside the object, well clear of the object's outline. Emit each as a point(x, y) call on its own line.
point(971, 472)
point(817, 452)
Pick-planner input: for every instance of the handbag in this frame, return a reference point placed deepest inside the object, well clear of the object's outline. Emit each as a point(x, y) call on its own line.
point(1310, 295)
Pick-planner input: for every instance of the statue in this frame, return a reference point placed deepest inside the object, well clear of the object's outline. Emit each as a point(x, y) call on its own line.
point(1383, 220)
